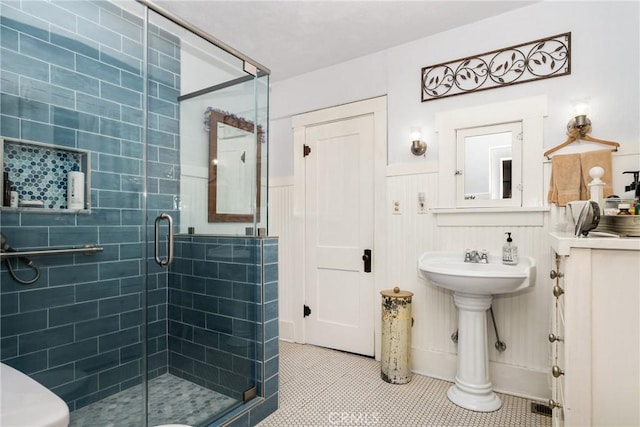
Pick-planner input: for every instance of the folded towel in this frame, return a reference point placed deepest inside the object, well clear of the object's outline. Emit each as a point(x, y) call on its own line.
point(590, 159)
point(566, 178)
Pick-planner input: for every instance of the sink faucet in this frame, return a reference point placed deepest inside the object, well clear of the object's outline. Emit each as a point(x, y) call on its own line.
point(475, 256)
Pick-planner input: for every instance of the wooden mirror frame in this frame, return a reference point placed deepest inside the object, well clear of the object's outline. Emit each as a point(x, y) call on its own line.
point(215, 117)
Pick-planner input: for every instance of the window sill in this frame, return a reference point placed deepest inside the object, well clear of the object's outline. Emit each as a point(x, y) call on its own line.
point(500, 216)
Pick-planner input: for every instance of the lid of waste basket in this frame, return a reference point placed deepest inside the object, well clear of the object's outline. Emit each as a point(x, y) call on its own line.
point(396, 293)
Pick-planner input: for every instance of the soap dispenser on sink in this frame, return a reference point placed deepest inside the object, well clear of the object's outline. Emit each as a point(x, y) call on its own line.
point(509, 251)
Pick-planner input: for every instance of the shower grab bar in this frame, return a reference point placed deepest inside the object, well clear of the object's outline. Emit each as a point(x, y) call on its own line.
point(169, 259)
point(87, 249)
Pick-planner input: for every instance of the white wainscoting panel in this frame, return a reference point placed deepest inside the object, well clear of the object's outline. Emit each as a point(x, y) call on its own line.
point(522, 319)
point(281, 225)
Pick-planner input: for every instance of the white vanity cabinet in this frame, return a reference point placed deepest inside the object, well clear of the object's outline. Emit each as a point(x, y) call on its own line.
point(595, 287)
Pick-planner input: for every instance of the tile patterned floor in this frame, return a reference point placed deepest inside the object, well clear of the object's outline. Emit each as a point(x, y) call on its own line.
point(172, 400)
point(321, 387)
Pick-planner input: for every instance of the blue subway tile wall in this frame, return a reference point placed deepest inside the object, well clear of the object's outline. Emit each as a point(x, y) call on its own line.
point(72, 75)
point(206, 328)
point(221, 334)
point(267, 370)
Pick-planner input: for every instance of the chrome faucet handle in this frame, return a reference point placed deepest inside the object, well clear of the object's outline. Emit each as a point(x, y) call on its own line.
point(467, 255)
point(484, 256)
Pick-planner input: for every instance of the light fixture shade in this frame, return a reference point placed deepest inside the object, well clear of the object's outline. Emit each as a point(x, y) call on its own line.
point(581, 120)
point(580, 124)
point(418, 147)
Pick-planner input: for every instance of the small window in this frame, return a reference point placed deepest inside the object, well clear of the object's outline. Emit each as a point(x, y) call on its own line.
point(489, 166)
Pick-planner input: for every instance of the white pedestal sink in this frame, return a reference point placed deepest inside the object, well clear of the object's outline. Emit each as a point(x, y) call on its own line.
point(474, 285)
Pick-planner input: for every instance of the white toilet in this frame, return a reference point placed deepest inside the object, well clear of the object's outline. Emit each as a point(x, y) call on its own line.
point(27, 403)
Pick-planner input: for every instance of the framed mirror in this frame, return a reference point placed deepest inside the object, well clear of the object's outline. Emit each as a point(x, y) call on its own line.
point(234, 168)
point(488, 166)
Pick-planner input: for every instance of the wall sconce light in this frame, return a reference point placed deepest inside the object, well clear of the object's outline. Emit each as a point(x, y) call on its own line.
point(418, 146)
point(580, 123)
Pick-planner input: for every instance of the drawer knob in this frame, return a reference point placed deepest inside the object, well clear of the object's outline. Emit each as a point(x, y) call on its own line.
point(556, 371)
point(554, 274)
point(554, 338)
point(557, 291)
point(553, 404)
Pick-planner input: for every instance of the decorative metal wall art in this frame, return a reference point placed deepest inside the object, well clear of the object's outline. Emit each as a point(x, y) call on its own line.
point(535, 60)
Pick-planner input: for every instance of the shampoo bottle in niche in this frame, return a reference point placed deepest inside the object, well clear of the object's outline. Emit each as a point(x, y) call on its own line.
point(6, 189)
point(14, 198)
point(75, 189)
point(509, 252)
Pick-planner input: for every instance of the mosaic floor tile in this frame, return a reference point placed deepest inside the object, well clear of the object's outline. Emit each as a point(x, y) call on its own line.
point(172, 400)
point(321, 387)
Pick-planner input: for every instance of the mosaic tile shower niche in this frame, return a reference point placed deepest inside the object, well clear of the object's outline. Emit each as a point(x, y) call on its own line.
point(39, 172)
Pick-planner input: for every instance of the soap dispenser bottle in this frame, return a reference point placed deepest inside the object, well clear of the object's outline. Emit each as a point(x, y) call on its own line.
point(509, 251)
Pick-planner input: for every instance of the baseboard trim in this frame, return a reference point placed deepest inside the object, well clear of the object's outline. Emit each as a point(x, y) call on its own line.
point(513, 380)
point(286, 330)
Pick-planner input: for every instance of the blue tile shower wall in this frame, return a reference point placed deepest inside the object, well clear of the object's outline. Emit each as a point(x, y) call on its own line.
point(216, 312)
point(71, 74)
point(268, 372)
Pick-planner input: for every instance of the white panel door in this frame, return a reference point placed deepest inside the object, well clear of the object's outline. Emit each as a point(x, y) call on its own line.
point(339, 218)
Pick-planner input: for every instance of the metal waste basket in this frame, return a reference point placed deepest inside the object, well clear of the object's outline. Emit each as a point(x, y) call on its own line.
point(396, 336)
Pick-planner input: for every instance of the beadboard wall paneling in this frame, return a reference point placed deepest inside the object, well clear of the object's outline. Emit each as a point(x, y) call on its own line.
point(522, 318)
point(281, 225)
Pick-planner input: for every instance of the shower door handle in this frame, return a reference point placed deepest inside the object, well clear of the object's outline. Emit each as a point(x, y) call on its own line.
point(169, 259)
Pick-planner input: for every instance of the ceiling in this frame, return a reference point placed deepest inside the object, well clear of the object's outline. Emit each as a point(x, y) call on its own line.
point(295, 37)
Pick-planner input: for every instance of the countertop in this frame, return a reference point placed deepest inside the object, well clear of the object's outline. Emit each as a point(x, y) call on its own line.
point(562, 242)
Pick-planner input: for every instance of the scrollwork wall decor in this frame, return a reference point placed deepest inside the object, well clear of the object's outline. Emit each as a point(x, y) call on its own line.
point(535, 60)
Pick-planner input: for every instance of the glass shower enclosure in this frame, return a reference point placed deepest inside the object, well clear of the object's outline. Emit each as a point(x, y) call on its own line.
point(134, 261)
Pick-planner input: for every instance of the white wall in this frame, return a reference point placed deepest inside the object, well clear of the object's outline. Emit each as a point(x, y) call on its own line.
point(605, 63)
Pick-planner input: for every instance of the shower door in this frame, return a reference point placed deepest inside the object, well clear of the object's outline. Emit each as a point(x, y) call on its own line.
point(203, 106)
point(95, 88)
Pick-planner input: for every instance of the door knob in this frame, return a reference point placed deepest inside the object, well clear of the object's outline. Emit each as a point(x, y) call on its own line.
point(553, 404)
point(366, 257)
point(556, 371)
point(557, 291)
point(554, 337)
